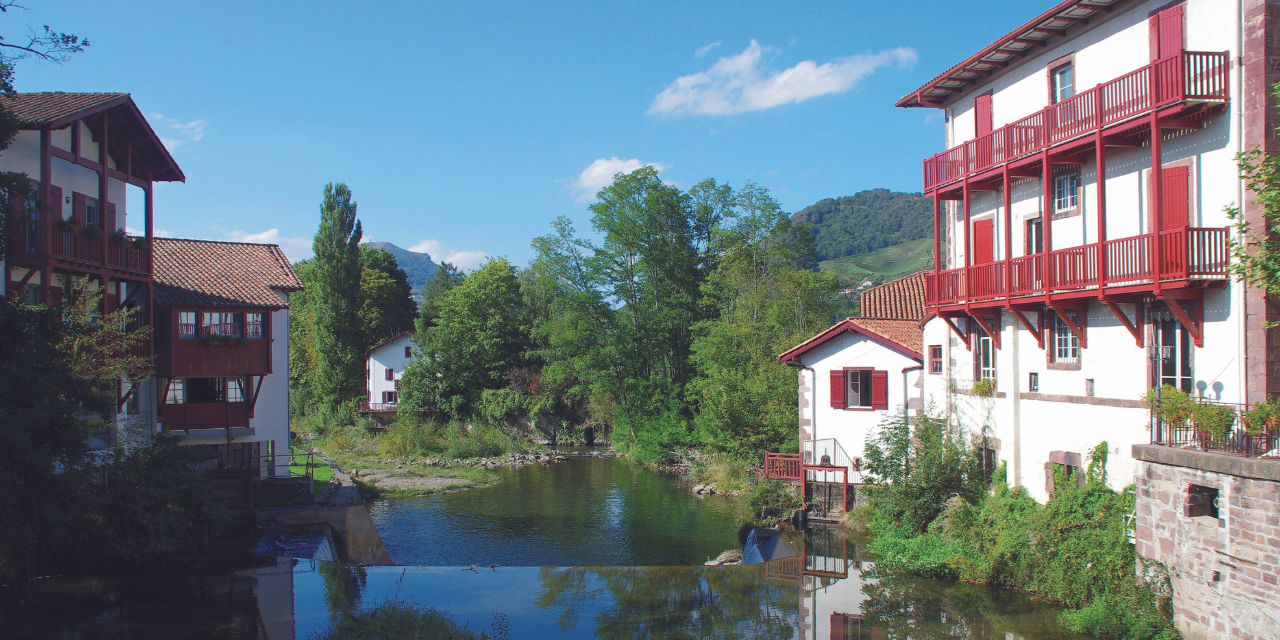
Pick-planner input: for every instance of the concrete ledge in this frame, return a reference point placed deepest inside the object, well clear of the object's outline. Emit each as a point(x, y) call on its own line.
point(1094, 400)
point(1255, 468)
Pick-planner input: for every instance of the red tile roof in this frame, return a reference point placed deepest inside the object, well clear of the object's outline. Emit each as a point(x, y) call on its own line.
point(903, 336)
point(34, 109)
point(901, 299)
point(209, 273)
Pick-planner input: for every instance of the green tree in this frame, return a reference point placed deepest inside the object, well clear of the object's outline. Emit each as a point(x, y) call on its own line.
point(1255, 252)
point(480, 336)
point(386, 299)
point(445, 279)
point(336, 271)
point(304, 359)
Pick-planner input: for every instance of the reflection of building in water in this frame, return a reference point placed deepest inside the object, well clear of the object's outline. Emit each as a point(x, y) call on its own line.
point(829, 577)
point(274, 591)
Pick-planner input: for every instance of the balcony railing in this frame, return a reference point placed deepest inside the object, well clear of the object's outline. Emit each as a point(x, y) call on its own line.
point(1187, 253)
point(1235, 442)
point(71, 244)
point(782, 466)
point(1193, 76)
point(378, 406)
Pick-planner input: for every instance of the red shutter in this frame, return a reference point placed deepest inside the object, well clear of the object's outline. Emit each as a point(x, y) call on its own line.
point(837, 626)
point(983, 241)
point(1176, 198)
point(879, 390)
point(391, 374)
point(982, 114)
point(838, 387)
point(1171, 32)
point(1153, 36)
point(77, 208)
point(110, 219)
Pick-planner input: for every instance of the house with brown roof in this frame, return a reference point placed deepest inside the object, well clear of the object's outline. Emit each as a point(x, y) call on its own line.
point(851, 377)
point(222, 347)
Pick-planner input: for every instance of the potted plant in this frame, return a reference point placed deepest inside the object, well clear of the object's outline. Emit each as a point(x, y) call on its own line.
point(65, 225)
point(118, 237)
point(139, 243)
point(92, 231)
point(1260, 418)
point(1171, 405)
point(984, 388)
point(1212, 420)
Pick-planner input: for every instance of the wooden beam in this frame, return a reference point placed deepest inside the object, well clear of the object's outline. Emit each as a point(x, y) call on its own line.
point(90, 164)
point(1076, 330)
point(1095, 7)
point(1134, 327)
point(1196, 330)
point(1071, 19)
point(1052, 32)
point(994, 333)
point(125, 398)
point(1031, 41)
point(254, 402)
point(1037, 330)
point(963, 336)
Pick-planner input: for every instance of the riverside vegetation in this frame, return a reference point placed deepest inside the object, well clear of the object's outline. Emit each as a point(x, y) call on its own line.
point(936, 512)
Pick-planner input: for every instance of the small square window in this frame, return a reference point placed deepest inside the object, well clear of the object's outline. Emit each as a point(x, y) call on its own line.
point(235, 390)
point(935, 358)
point(253, 327)
point(176, 393)
point(408, 352)
point(1033, 381)
point(1066, 346)
point(1201, 501)
point(1088, 386)
point(391, 374)
point(1063, 83)
point(186, 324)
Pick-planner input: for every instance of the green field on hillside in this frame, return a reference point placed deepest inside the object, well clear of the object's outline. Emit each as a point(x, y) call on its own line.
point(889, 263)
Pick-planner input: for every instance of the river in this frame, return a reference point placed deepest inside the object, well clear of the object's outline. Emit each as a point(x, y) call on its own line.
point(590, 548)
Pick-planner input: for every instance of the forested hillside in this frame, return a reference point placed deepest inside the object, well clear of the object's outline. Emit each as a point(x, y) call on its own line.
point(866, 221)
point(418, 267)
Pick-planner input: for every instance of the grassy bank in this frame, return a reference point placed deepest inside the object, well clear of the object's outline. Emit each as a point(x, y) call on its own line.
point(935, 515)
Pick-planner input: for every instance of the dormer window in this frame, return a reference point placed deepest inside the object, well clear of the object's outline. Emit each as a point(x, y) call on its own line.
point(1063, 82)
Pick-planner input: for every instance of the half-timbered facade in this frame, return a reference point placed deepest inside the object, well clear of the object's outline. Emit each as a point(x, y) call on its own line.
point(222, 346)
point(1080, 219)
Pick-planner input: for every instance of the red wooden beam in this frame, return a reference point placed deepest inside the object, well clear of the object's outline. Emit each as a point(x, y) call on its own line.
point(23, 282)
point(254, 403)
point(1195, 329)
point(963, 336)
point(1134, 327)
point(1077, 331)
point(1037, 330)
point(995, 335)
point(125, 398)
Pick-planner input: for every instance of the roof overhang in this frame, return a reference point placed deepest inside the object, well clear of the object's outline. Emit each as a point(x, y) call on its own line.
point(840, 328)
point(1035, 34)
point(127, 127)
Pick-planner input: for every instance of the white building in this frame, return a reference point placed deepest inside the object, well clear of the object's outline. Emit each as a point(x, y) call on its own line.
point(852, 376)
point(384, 366)
point(1058, 308)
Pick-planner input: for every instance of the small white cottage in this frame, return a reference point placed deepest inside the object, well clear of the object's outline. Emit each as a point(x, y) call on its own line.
point(384, 366)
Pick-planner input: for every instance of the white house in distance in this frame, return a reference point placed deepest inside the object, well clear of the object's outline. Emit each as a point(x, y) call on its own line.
point(384, 366)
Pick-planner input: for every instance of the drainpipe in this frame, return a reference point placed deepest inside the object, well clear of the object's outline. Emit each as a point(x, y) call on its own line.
point(813, 406)
point(905, 402)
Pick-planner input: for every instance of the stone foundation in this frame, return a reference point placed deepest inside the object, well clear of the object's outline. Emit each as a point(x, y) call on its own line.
point(1223, 568)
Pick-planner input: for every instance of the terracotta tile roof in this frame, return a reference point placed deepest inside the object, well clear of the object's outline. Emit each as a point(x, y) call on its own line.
point(904, 332)
point(44, 108)
point(900, 299)
point(209, 273)
point(904, 336)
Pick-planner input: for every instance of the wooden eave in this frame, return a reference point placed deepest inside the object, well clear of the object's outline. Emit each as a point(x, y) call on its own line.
point(1038, 32)
point(132, 143)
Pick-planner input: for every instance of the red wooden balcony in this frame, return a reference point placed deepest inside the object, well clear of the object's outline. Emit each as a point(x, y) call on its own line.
point(180, 358)
point(782, 466)
point(1191, 77)
point(210, 415)
point(1188, 253)
point(73, 246)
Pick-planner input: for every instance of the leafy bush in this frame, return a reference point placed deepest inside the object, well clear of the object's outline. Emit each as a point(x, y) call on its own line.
point(722, 470)
point(1261, 417)
point(984, 388)
point(1170, 404)
point(768, 493)
point(503, 406)
point(1214, 419)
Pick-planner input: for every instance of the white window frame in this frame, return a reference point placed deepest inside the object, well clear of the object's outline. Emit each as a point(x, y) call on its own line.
point(1066, 192)
point(1061, 90)
point(1066, 346)
point(176, 393)
point(854, 380)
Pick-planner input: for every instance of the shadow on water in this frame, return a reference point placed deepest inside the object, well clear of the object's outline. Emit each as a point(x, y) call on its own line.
point(588, 549)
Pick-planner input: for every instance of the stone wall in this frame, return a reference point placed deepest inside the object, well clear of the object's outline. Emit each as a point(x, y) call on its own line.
point(1223, 569)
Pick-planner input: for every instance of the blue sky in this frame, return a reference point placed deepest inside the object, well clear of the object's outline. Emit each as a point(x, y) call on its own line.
point(465, 128)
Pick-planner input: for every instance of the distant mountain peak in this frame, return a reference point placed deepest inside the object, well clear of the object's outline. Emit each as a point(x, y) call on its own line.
point(417, 265)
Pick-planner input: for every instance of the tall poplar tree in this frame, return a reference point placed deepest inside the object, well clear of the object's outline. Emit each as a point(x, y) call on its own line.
point(336, 269)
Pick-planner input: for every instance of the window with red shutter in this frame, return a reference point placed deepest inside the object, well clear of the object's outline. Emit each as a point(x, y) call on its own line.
point(837, 389)
point(879, 390)
point(391, 374)
point(982, 114)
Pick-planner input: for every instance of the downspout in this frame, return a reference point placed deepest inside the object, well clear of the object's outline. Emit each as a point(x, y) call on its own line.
point(1238, 104)
point(905, 400)
point(813, 405)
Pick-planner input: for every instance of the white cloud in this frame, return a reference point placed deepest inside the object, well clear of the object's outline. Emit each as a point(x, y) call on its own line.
point(159, 233)
point(599, 174)
point(179, 132)
point(702, 51)
point(738, 84)
point(440, 253)
point(294, 248)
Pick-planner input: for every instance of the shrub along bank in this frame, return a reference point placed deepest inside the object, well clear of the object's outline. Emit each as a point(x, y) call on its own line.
point(929, 520)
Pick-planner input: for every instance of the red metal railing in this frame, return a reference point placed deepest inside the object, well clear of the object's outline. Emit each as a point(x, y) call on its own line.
point(782, 466)
point(1192, 76)
point(1188, 252)
point(1236, 440)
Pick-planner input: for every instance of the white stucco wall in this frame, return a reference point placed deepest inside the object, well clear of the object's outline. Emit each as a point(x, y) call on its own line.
point(819, 420)
point(821, 597)
point(24, 155)
point(388, 356)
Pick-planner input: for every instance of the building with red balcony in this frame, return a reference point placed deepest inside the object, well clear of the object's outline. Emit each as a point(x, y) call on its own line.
point(1081, 238)
point(222, 347)
point(384, 367)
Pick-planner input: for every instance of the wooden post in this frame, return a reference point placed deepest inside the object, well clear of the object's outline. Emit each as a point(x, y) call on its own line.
point(104, 187)
point(1154, 198)
point(1100, 159)
point(147, 204)
point(46, 182)
point(967, 261)
point(937, 239)
point(1008, 234)
point(1046, 220)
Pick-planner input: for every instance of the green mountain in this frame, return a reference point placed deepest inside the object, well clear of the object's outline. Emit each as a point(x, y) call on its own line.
point(866, 221)
point(418, 266)
point(882, 265)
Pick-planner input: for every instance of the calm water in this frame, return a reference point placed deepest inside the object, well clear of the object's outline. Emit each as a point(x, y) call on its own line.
point(591, 511)
point(595, 548)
